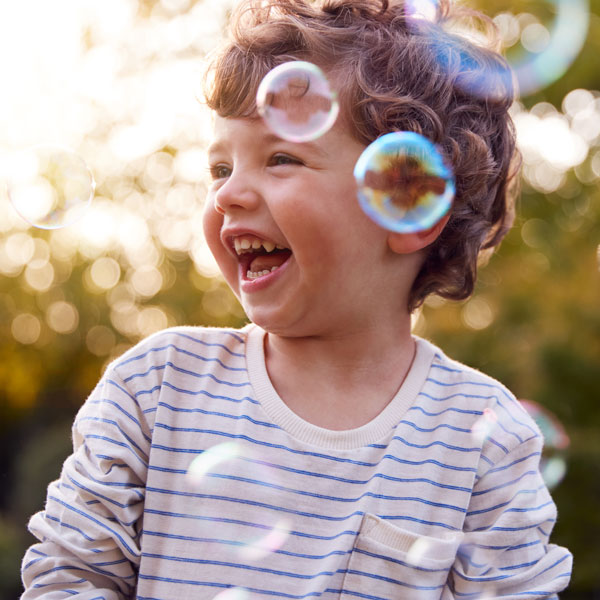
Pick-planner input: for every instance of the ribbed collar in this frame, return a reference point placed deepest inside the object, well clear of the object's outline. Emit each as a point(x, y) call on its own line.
point(376, 429)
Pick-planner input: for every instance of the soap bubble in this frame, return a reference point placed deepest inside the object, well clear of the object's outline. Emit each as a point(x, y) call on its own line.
point(212, 475)
point(553, 465)
point(418, 551)
point(297, 102)
point(403, 183)
point(485, 424)
point(548, 43)
point(49, 186)
point(562, 42)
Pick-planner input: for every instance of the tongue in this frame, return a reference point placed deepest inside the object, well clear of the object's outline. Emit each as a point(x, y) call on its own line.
point(268, 261)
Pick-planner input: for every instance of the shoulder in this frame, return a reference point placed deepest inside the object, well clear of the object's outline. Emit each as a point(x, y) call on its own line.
point(182, 350)
point(483, 396)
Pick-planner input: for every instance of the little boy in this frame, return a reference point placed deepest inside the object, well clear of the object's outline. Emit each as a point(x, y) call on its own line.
point(333, 454)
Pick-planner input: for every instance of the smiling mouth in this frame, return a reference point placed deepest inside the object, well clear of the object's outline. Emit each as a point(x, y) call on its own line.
point(259, 257)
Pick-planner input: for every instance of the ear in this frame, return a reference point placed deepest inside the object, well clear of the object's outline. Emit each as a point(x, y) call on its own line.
point(407, 243)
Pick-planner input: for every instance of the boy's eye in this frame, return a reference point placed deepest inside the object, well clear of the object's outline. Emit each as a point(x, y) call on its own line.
point(219, 171)
point(284, 159)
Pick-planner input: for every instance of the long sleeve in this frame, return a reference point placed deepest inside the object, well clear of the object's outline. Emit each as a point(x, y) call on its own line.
point(89, 530)
point(506, 551)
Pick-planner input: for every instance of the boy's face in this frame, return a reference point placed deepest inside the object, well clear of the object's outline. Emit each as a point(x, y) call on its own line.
point(333, 267)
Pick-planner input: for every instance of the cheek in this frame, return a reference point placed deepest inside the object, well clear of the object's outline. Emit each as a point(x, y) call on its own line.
point(211, 225)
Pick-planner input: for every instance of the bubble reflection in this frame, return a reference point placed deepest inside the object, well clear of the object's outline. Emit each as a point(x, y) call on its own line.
point(553, 464)
point(403, 183)
point(49, 186)
point(213, 471)
point(296, 101)
point(483, 427)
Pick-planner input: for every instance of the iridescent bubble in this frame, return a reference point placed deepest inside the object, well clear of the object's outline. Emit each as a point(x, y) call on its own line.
point(553, 464)
point(545, 50)
point(561, 43)
point(297, 102)
point(49, 186)
point(483, 427)
point(403, 183)
point(422, 9)
point(232, 463)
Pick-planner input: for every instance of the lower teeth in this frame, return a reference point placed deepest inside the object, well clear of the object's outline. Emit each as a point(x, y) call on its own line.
point(257, 274)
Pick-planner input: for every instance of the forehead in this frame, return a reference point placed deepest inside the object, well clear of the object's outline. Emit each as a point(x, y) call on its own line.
point(231, 132)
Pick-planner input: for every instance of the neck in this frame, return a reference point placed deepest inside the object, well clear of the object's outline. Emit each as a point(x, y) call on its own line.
point(338, 373)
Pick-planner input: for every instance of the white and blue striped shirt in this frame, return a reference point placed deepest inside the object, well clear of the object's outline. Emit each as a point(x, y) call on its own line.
point(191, 477)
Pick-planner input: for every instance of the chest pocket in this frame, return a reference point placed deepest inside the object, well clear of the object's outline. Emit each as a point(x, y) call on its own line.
point(389, 563)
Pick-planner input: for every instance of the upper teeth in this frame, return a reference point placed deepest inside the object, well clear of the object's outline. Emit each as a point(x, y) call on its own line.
point(249, 244)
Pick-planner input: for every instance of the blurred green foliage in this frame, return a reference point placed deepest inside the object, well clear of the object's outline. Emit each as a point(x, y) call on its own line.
point(540, 335)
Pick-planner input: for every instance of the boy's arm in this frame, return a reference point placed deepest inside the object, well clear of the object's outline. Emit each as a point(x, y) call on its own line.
point(89, 531)
point(507, 553)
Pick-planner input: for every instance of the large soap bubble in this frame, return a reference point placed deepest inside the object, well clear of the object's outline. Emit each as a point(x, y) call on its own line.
point(403, 183)
point(541, 45)
point(211, 474)
point(49, 186)
point(297, 102)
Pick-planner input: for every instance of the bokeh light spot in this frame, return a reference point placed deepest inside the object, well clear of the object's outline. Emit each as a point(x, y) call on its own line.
point(62, 317)
point(105, 272)
point(100, 340)
point(26, 328)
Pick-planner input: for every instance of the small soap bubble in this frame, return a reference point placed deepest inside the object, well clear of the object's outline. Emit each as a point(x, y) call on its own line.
point(553, 464)
point(297, 102)
point(403, 183)
point(50, 186)
point(418, 551)
point(483, 427)
point(228, 464)
point(422, 9)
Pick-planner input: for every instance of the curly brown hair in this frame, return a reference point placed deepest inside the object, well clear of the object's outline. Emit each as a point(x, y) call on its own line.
point(395, 72)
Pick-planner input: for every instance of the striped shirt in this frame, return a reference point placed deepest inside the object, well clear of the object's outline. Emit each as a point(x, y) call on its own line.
point(192, 479)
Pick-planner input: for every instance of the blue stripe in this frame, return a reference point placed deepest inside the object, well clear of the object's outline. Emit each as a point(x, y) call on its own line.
point(334, 477)
point(204, 540)
point(186, 353)
point(282, 488)
point(398, 562)
point(116, 426)
point(216, 414)
point(506, 484)
point(122, 389)
point(121, 409)
point(513, 463)
point(440, 426)
point(503, 504)
point(436, 443)
point(93, 436)
point(234, 565)
point(334, 458)
point(185, 372)
point(302, 534)
point(67, 525)
point(112, 531)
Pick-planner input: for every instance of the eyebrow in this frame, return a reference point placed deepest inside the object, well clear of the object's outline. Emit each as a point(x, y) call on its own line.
point(271, 138)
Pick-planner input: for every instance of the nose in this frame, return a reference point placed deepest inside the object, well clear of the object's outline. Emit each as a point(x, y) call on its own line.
point(238, 191)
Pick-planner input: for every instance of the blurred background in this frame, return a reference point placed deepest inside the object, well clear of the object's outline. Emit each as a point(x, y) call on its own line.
point(117, 82)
